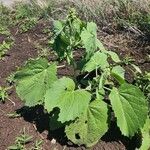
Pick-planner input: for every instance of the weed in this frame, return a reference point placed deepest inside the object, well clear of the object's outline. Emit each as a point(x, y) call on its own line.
point(37, 145)
point(10, 78)
point(26, 16)
point(5, 46)
point(5, 16)
point(21, 141)
point(3, 93)
point(4, 30)
point(47, 31)
point(143, 81)
point(27, 24)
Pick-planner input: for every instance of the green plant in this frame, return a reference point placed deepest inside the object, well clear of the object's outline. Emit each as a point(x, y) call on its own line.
point(10, 78)
point(84, 103)
point(5, 16)
point(67, 36)
point(4, 30)
point(5, 46)
point(21, 141)
point(37, 145)
point(26, 16)
point(3, 93)
point(142, 80)
point(145, 136)
point(27, 24)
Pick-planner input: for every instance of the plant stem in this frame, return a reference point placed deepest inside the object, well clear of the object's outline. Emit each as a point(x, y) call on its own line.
point(108, 89)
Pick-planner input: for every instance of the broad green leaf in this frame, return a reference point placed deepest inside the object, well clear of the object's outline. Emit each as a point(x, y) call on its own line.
point(70, 102)
point(90, 126)
point(113, 56)
point(89, 39)
point(98, 60)
point(146, 136)
point(34, 79)
point(130, 108)
point(118, 73)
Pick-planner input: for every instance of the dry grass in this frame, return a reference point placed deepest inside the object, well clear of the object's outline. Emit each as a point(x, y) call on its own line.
point(103, 12)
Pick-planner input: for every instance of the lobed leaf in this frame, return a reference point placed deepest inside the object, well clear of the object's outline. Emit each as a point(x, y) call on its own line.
point(34, 79)
point(70, 102)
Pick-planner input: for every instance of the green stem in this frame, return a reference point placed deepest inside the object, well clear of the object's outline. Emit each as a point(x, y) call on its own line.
point(107, 88)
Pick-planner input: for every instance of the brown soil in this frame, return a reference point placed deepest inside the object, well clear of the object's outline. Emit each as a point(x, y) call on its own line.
point(23, 49)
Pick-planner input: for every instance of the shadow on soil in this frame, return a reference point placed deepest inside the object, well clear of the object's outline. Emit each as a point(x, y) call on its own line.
point(37, 116)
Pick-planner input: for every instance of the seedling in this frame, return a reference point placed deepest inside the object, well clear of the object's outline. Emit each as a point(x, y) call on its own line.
point(4, 30)
point(21, 141)
point(3, 93)
point(37, 145)
point(26, 17)
point(27, 24)
point(10, 78)
point(4, 47)
point(143, 81)
point(47, 31)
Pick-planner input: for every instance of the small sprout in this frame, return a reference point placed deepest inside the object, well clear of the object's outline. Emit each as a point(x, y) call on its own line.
point(4, 31)
point(21, 141)
point(10, 78)
point(5, 46)
point(37, 145)
point(3, 94)
point(128, 60)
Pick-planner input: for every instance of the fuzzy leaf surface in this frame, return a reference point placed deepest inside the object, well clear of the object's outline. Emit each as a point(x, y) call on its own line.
point(34, 79)
point(90, 126)
point(71, 102)
point(130, 108)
